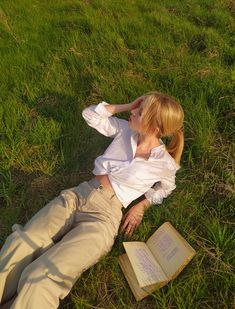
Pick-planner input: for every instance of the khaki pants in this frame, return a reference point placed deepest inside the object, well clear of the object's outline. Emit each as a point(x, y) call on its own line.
point(42, 260)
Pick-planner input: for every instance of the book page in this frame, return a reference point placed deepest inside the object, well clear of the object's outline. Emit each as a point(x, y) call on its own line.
point(170, 249)
point(146, 268)
point(129, 273)
point(130, 276)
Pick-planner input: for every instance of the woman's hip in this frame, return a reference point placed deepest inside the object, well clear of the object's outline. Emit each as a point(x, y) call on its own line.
point(98, 203)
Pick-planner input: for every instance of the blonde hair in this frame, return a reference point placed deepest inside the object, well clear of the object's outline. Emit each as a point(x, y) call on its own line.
point(165, 113)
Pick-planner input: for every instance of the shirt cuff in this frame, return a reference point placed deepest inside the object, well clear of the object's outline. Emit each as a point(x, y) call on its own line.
point(102, 111)
point(152, 197)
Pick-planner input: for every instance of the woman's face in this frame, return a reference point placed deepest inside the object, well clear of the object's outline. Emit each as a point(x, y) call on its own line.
point(135, 122)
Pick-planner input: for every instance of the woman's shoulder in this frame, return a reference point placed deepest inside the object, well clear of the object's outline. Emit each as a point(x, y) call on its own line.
point(161, 156)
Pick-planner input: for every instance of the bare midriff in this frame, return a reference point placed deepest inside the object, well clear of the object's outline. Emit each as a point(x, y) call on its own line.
point(104, 180)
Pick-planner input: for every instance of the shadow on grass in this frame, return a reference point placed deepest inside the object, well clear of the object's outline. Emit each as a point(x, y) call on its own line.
point(71, 145)
point(27, 192)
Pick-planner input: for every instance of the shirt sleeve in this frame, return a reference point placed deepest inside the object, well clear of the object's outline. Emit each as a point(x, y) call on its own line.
point(99, 118)
point(160, 190)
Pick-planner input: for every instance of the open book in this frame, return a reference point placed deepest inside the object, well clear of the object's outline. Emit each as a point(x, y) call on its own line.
point(151, 265)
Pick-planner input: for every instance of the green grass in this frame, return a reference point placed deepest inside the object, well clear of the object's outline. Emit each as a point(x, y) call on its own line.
point(58, 57)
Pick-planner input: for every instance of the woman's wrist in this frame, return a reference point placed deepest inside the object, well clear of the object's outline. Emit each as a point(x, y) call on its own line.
point(145, 204)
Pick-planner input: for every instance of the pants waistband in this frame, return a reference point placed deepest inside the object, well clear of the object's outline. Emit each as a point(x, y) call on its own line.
point(96, 184)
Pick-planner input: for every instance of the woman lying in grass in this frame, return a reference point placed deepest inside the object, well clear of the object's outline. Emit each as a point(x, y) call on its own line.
point(40, 262)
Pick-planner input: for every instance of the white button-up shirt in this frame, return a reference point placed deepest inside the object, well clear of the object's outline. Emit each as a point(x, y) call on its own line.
point(130, 177)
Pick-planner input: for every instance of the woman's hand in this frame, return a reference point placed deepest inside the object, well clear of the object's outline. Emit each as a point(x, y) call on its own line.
point(132, 219)
point(137, 102)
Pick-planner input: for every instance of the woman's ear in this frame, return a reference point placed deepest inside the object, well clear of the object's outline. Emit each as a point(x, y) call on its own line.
point(157, 132)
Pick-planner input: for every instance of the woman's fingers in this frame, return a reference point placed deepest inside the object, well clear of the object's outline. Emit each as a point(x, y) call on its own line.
point(137, 102)
point(129, 225)
point(125, 224)
point(130, 229)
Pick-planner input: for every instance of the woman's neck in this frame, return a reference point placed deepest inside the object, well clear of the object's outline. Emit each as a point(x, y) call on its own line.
point(147, 141)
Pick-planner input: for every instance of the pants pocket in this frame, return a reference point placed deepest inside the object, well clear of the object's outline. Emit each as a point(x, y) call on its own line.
point(83, 192)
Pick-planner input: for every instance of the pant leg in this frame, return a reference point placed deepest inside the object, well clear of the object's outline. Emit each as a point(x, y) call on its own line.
point(28, 242)
point(50, 278)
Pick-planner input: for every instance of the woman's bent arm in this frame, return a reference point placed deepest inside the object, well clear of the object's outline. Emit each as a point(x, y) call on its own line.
point(100, 117)
point(119, 108)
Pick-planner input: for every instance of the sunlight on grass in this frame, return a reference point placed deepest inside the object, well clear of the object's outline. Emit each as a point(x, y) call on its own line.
point(58, 57)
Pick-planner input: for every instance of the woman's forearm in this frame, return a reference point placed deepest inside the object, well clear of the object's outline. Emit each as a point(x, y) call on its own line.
point(118, 108)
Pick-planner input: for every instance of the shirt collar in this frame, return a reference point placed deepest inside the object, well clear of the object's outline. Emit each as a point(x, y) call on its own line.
point(156, 152)
point(134, 141)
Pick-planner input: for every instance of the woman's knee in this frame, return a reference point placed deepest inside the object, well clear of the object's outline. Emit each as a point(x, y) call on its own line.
point(40, 279)
point(31, 274)
point(55, 219)
point(37, 291)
